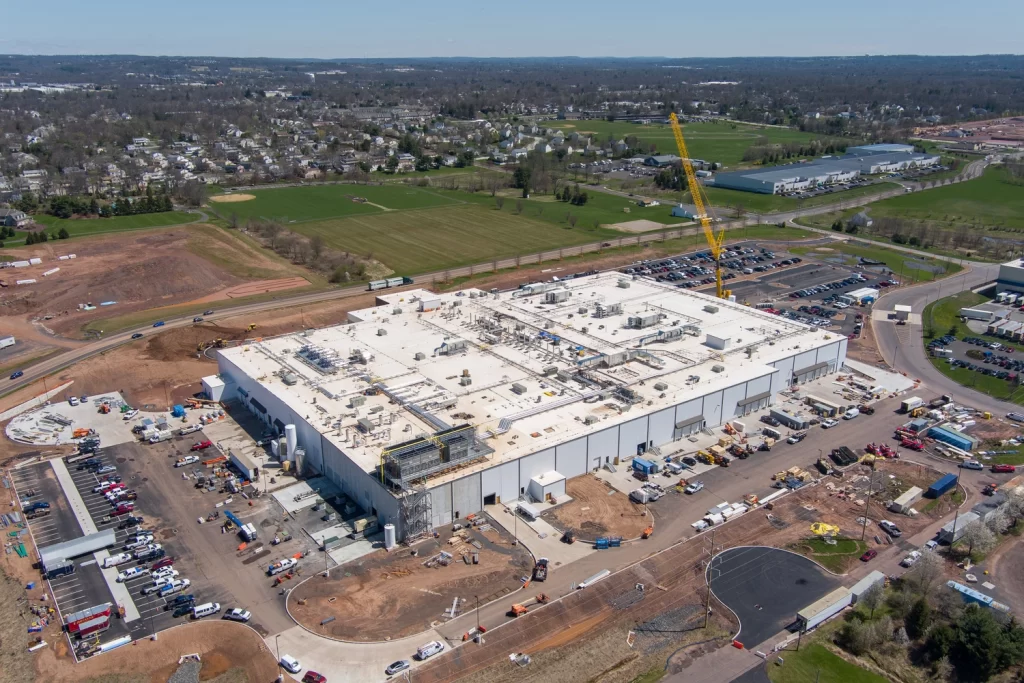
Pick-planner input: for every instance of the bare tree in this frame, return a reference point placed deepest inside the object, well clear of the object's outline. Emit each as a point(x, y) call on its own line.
point(872, 598)
point(572, 220)
point(499, 202)
point(926, 571)
point(519, 206)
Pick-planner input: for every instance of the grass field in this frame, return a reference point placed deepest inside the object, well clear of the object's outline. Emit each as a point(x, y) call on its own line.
point(898, 262)
point(989, 201)
point(413, 242)
point(84, 227)
point(601, 207)
point(319, 202)
point(716, 142)
point(942, 317)
point(816, 664)
point(835, 558)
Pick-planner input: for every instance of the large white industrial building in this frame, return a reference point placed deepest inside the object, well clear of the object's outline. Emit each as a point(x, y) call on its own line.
point(861, 160)
point(428, 406)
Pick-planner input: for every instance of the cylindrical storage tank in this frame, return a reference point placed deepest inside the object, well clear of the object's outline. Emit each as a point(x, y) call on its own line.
point(282, 449)
point(389, 536)
point(300, 461)
point(292, 440)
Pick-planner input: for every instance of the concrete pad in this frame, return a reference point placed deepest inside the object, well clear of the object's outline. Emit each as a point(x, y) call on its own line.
point(118, 590)
point(307, 493)
point(355, 550)
point(346, 662)
point(34, 428)
point(75, 501)
point(551, 546)
point(890, 317)
point(892, 381)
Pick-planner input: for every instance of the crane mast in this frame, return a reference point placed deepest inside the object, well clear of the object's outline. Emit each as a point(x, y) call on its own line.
point(700, 201)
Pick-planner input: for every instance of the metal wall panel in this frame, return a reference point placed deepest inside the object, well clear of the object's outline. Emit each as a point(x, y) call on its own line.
point(441, 505)
point(805, 360)
point(661, 426)
point(502, 481)
point(827, 354)
point(466, 497)
point(782, 378)
point(759, 386)
point(602, 447)
point(730, 397)
point(571, 458)
point(842, 351)
point(713, 409)
point(532, 465)
point(689, 409)
point(631, 434)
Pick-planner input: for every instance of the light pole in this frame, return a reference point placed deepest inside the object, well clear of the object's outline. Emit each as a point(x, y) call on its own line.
point(477, 613)
point(277, 647)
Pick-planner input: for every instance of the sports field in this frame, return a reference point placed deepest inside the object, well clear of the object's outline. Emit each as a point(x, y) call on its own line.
point(722, 142)
point(318, 202)
point(83, 227)
point(989, 201)
point(433, 239)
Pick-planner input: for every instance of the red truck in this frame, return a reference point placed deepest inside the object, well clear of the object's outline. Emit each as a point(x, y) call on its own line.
point(93, 620)
point(202, 445)
point(912, 444)
point(122, 509)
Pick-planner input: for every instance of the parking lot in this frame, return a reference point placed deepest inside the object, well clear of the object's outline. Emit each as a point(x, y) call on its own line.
point(802, 289)
point(204, 554)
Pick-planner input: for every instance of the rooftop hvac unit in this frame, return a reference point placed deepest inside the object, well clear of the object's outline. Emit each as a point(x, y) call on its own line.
point(518, 389)
point(638, 322)
point(660, 386)
point(718, 368)
point(290, 379)
point(465, 380)
point(581, 310)
point(357, 401)
point(590, 419)
point(556, 297)
point(396, 311)
point(549, 370)
point(419, 356)
point(624, 284)
point(381, 332)
point(711, 309)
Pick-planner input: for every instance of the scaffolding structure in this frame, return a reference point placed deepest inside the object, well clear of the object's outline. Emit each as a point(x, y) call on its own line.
point(414, 507)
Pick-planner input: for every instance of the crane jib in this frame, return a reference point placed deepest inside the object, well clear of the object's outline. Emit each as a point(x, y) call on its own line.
point(702, 206)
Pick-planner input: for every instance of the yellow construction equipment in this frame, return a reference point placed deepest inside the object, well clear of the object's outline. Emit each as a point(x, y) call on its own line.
point(252, 326)
point(703, 207)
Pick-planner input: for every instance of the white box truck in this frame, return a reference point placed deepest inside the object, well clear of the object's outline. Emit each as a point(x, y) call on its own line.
point(908, 404)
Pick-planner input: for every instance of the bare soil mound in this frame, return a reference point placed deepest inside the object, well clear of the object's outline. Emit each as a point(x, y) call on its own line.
point(232, 198)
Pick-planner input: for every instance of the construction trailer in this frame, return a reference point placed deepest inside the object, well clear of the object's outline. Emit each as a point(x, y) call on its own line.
point(954, 530)
point(53, 555)
point(820, 610)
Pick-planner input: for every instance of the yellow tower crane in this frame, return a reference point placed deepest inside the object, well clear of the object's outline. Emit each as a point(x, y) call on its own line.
point(703, 207)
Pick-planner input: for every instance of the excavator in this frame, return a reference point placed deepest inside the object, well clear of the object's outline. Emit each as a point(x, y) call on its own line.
point(703, 207)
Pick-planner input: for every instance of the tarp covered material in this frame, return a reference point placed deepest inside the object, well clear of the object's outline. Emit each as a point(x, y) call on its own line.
point(84, 545)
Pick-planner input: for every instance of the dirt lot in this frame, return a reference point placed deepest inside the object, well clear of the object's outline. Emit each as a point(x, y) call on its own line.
point(596, 510)
point(393, 595)
point(139, 271)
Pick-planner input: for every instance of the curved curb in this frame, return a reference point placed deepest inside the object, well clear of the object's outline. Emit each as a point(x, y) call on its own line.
point(741, 547)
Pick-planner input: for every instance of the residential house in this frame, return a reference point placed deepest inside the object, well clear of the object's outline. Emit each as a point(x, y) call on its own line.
point(542, 147)
point(449, 160)
point(12, 218)
point(519, 153)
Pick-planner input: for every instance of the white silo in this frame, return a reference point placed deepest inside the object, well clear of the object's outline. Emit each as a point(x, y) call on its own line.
point(389, 536)
point(291, 439)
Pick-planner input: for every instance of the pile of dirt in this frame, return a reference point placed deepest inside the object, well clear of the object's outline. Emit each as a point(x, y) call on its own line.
point(597, 510)
point(394, 595)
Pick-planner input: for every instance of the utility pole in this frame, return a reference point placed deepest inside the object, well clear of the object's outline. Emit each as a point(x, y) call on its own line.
point(277, 647)
point(867, 503)
point(477, 613)
point(710, 571)
point(956, 514)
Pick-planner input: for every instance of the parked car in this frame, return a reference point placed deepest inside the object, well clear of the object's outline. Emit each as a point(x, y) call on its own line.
point(972, 465)
point(396, 667)
point(890, 528)
point(130, 573)
point(1003, 468)
point(429, 650)
point(869, 555)
point(238, 614)
point(694, 487)
point(910, 559)
point(829, 423)
point(290, 664)
point(166, 562)
point(314, 677)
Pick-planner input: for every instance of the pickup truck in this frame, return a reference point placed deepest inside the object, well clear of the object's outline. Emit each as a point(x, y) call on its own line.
point(187, 460)
point(202, 445)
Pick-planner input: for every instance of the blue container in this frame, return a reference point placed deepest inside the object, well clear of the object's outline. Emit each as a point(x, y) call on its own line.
point(941, 486)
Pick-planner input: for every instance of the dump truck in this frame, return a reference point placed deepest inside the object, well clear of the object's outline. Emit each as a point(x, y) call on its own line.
point(281, 566)
point(540, 570)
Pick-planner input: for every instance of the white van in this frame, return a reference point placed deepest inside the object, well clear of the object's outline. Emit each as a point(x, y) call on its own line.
point(851, 413)
point(290, 664)
point(205, 610)
point(115, 560)
point(430, 649)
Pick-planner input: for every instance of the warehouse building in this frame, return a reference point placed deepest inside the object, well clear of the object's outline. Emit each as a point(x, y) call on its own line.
point(427, 407)
point(858, 161)
point(1011, 277)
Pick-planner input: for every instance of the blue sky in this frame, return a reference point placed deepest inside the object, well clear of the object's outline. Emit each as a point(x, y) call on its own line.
point(527, 28)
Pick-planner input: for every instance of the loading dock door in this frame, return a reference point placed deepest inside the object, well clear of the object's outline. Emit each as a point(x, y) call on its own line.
point(688, 426)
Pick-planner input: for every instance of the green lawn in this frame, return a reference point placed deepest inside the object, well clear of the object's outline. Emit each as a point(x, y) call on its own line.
point(604, 208)
point(901, 264)
point(413, 242)
point(836, 558)
point(815, 664)
point(989, 201)
point(723, 142)
point(319, 202)
point(84, 227)
point(941, 317)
